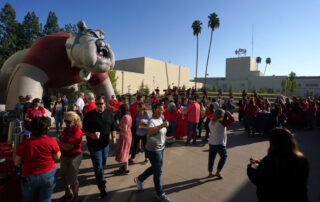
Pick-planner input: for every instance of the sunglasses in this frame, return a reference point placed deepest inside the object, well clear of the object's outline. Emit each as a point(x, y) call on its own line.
point(67, 121)
point(99, 103)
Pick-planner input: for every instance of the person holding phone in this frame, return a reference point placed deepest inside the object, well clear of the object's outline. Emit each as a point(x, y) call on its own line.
point(156, 132)
point(97, 125)
point(218, 140)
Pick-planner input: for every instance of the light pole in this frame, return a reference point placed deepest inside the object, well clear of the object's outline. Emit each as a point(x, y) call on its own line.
point(122, 81)
point(153, 83)
point(129, 88)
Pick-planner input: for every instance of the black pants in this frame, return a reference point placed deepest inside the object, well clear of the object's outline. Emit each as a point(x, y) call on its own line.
point(200, 124)
point(136, 139)
point(206, 125)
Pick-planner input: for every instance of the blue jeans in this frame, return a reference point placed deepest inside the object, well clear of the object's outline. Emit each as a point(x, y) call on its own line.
point(99, 160)
point(193, 127)
point(172, 128)
point(58, 117)
point(41, 185)
point(155, 158)
point(213, 150)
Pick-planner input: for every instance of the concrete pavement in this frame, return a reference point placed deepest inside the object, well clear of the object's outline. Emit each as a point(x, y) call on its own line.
point(185, 172)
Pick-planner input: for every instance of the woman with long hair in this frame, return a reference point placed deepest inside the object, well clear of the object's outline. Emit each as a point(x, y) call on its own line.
point(35, 110)
point(140, 126)
point(218, 140)
point(38, 154)
point(70, 145)
point(125, 139)
point(282, 175)
point(250, 114)
point(57, 113)
point(156, 132)
point(209, 115)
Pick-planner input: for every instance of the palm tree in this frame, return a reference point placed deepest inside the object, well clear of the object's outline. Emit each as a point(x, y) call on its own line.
point(258, 61)
point(196, 26)
point(268, 61)
point(214, 22)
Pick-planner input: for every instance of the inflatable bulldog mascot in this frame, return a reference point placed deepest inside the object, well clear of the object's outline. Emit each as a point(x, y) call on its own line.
point(57, 61)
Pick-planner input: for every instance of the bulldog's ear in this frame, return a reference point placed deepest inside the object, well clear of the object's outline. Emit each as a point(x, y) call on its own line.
point(81, 25)
point(100, 33)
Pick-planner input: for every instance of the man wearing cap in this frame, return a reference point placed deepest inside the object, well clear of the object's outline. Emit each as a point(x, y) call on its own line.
point(27, 103)
point(19, 106)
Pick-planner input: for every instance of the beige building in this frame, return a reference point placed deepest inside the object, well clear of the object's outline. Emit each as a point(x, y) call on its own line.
point(153, 73)
point(242, 73)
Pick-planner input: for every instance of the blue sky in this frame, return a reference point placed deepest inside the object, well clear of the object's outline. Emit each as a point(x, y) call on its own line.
point(286, 31)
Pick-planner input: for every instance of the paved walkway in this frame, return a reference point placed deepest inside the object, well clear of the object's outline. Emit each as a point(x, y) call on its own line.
point(185, 172)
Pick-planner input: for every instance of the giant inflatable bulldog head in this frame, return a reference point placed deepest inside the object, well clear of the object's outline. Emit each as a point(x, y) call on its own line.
point(88, 51)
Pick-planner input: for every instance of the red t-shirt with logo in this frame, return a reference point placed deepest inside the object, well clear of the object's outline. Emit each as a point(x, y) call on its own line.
point(32, 113)
point(72, 136)
point(37, 153)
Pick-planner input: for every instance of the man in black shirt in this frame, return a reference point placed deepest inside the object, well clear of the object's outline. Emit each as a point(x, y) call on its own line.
point(97, 125)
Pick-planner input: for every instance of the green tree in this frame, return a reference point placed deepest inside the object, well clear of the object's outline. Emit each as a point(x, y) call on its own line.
point(268, 62)
point(113, 79)
point(290, 83)
point(196, 26)
point(214, 23)
point(231, 88)
point(51, 25)
point(8, 33)
point(32, 29)
point(70, 28)
point(214, 88)
point(85, 87)
point(258, 61)
point(184, 87)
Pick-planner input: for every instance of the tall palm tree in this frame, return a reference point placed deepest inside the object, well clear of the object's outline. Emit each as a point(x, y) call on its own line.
point(214, 22)
point(268, 61)
point(258, 61)
point(196, 26)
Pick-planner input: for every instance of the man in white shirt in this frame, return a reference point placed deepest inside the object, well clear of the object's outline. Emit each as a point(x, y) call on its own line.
point(80, 105)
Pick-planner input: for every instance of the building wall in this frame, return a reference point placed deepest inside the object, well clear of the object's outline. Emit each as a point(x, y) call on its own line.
point(239, 68)
point(308, 84)
point(153, 73)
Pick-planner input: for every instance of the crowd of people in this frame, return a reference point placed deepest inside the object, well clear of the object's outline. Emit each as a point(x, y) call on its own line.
point(177, 114)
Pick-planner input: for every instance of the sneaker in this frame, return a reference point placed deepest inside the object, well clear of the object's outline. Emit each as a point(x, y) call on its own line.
point(138, 183)
point(163, 197)
point(65, 198)
point(86, 153)
point(103, 194)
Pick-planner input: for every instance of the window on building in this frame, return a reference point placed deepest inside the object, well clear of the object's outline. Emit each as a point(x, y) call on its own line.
point(311, 84)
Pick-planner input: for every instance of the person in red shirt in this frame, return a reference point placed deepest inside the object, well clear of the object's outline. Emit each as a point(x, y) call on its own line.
point(250, 114)
point(35, 110)
point(37, 155)
point(90, 104)
point(134, 107)
point(70, 145)
point(171, 115)
point(113, 103)
point(193, 111)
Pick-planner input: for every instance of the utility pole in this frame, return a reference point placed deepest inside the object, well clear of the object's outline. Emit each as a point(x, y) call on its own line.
point(122, 82)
